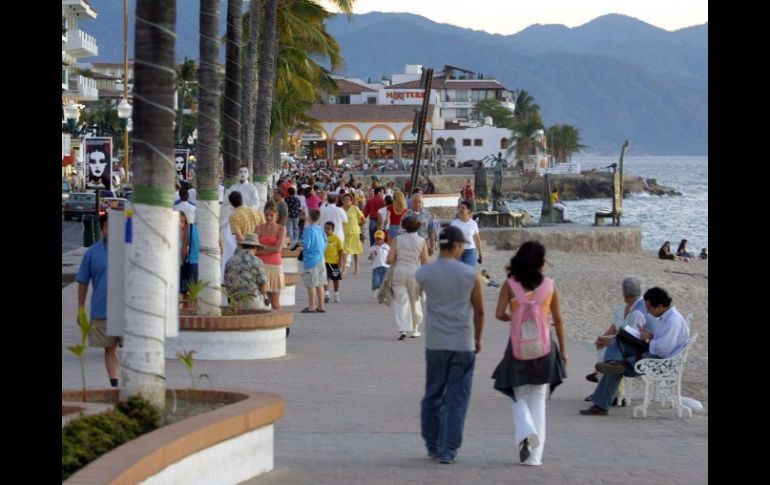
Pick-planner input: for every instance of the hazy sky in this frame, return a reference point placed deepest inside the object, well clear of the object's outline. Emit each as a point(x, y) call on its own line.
point(511, 16)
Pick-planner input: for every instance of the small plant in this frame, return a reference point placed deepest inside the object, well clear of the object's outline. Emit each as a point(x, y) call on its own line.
point(194, 290)
point(80, 349)
point(236, 299)
point(186, 358)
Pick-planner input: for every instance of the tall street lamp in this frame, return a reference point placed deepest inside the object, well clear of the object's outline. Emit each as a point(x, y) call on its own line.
point(124, 105)
point(124, 113)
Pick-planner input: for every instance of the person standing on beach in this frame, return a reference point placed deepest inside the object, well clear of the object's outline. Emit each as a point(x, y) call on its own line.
point(527, 381)
point(454, 299)
point(93, 269)
point(671, 334)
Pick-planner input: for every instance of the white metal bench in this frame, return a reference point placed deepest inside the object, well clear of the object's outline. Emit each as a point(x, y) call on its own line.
point(662, 380)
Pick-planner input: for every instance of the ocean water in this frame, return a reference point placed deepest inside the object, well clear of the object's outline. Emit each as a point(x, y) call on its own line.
point(662, 218)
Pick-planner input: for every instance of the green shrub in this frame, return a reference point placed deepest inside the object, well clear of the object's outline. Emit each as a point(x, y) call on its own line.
point(145, 414)
point(86, 438)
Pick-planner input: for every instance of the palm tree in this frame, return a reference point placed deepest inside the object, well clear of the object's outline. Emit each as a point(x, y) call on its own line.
point(527, 137)
point(267, 71)
point(565, 140)
point(249, 91)
point(207, 213)
point(231, 144)
point(268, 48)
point(187, 92)
point(150, 254)
point(525, 106)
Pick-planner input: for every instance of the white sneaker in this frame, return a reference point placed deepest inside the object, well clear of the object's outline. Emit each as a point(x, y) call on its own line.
point(374, 294)
point(337, 297)
point(416, 334)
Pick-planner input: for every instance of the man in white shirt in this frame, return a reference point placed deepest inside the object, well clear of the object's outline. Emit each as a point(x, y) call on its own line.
point(332, 213)
point(247, 189)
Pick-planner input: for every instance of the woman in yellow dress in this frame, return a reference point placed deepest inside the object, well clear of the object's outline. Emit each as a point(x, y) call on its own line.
point(352, 229)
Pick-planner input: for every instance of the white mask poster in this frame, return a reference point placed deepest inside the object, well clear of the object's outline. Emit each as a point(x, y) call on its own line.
point(181, 156)
point(98, 162)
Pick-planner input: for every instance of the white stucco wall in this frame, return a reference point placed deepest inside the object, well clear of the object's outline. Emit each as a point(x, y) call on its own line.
point(231, 461)
point(229, 345)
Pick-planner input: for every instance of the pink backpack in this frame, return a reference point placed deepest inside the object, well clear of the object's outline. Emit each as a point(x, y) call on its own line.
point(530, 333)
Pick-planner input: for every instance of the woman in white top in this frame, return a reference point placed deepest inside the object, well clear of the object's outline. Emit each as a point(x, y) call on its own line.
point(408, 251)
point(472, 253)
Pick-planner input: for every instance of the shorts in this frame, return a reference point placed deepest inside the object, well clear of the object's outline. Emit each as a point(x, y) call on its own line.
point(315, 276)
point(98, 337)
point(333, 272)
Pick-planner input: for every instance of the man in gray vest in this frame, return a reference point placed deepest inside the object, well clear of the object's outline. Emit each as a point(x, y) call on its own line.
point(451, 343)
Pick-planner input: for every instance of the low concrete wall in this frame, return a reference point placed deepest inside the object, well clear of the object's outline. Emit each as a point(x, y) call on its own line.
point(254, 334)
point(230, 444)
point(567, 237)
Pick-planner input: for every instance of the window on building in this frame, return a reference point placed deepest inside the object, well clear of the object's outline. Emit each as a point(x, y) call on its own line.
point(461, 113)
point(503, 142)
point(478, 142)
point(343, 99)
point(466, 142)
point(371, 100)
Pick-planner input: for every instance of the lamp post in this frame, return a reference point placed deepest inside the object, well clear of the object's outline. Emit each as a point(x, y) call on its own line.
point(124, 113)
point(126, 107)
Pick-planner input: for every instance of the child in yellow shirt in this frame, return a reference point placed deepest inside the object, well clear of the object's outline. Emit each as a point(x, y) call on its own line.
point(333, 255)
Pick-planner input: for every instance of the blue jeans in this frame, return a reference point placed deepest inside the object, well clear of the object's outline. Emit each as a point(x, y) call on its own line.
point(372, 229)
point(378, 274)
point(608, 385)
point(470, 257)
point(448, 381)
point(292, 228)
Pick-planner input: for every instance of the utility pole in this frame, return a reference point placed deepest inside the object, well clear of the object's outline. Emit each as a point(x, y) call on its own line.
point(419, 124)
point(125, 84)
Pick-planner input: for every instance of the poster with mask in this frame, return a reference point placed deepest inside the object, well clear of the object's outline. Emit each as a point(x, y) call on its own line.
point(98, 162)
point(180, 160)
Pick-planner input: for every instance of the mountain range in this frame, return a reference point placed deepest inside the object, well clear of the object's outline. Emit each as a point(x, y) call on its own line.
point(614, 78)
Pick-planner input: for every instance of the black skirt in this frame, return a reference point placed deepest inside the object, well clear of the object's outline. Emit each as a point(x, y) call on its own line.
point(512, 372)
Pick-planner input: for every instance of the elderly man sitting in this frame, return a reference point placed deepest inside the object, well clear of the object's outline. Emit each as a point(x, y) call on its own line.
point(245, 276)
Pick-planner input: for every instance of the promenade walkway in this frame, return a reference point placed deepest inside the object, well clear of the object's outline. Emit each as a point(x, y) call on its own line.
point(353, 407)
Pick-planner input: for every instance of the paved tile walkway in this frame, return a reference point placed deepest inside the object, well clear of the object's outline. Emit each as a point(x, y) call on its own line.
point(352, 408)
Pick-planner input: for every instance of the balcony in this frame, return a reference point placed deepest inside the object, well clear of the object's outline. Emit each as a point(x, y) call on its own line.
point(81, 44)
point(83, 88)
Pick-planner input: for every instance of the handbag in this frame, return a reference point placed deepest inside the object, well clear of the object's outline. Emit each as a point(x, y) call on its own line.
point(361, 237)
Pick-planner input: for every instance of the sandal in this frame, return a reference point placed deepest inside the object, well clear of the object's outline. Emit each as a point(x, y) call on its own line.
point(307, 310)
point(321, 310)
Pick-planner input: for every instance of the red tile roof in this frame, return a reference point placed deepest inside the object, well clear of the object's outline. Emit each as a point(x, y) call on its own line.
point(348, 87)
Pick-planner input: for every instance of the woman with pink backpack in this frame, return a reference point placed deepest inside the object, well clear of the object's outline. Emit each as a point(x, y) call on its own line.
point(532, 361)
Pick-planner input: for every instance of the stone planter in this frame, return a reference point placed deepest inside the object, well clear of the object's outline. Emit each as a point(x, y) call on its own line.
point(289, 293)
point(230, 444)
point(249, 335)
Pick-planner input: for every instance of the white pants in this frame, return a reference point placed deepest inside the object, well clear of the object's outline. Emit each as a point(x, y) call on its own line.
point(563, 209)
point(407, 304)
point(529, 419)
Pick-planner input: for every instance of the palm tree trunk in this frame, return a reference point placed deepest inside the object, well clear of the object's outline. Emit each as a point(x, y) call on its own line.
point(207, 213)
point(265, 98)
point(232, 119)
point(249, 101)
point(148, 280)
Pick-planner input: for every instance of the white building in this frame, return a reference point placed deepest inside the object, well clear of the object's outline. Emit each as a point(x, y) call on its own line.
point(453, 134)
point(75, 45)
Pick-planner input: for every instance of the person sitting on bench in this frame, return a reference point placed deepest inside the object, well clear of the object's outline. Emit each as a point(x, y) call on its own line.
point(559, 205)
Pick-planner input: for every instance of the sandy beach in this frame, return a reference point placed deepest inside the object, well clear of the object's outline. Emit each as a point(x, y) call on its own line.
point(589, 284)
